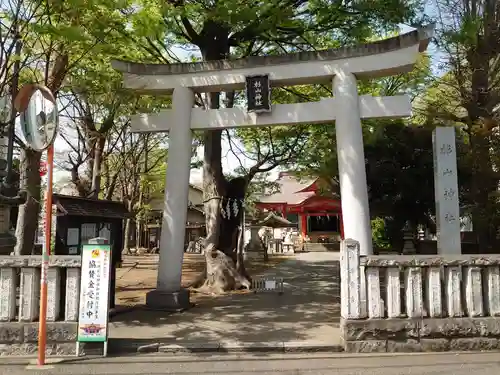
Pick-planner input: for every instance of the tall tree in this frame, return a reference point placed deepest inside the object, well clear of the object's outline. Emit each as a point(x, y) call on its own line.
point(468, 96)
point(398, 159)
point(55, 36)
point(96, 105)
point(48, 62)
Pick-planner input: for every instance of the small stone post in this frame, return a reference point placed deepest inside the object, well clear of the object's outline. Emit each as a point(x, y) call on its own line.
point(493, 290)
point(473, 291)
point(7, 294)
point(351, 284)
point(72, 294)
point(414, 292)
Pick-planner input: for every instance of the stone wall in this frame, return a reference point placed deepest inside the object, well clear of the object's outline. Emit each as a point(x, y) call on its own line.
point(421, 335)
point(21, 339)
point(20, 304)
point(398, 303)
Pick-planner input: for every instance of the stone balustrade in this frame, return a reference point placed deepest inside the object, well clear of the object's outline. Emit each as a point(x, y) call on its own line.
point(19, 304)
point(394, 303)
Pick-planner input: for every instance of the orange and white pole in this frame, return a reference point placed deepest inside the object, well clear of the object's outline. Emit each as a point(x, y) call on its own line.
point(42, 331)
point(34, 140)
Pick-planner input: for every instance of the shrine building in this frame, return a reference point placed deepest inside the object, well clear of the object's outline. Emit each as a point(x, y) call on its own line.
point(301, 201)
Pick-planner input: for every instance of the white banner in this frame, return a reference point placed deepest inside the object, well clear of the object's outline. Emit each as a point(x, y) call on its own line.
point(94, 293)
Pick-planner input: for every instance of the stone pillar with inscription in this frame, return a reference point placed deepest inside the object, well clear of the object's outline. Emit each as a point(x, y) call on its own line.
point(446, 191)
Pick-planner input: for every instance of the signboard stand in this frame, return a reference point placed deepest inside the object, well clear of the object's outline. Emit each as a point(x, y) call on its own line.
point(104, 348)
point(93, 315)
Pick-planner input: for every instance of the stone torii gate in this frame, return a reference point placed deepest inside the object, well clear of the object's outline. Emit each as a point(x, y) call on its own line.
point(342, 67)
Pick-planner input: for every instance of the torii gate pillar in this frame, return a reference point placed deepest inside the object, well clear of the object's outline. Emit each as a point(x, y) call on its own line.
point(168, 295)
point(351, 162)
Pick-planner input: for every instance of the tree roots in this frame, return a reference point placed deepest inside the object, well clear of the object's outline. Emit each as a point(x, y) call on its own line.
point(221, 274)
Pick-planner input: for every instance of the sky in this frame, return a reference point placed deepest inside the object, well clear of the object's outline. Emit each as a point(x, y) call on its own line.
point(229, 161)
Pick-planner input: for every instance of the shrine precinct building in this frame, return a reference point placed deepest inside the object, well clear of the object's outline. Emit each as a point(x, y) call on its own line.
point(319, 217)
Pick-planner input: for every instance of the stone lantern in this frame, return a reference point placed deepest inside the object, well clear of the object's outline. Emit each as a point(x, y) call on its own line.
point(408, 240)
point(256, 245)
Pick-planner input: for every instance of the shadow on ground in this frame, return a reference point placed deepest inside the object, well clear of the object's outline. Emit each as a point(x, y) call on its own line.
point(137, 276)
point(308, 309)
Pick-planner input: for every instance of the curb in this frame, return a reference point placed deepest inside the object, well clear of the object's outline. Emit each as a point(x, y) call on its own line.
point(224, 347)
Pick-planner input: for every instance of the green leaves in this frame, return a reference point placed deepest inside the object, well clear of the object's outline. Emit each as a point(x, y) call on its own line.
point(66, 32)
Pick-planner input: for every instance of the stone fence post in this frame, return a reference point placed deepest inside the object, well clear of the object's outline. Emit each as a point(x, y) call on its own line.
point(352, 283)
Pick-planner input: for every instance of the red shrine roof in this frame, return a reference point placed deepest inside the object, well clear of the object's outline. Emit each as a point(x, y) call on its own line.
point(291, 190)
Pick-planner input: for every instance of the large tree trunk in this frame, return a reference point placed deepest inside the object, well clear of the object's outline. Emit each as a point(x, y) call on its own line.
point(127, 231)
point(480, 106)
point(97, 167)
point(27, 219)
point(223, 253)
point(484, 182)
point(140, 216)
point(223, 211)
point(81, 186)
point(223, 200)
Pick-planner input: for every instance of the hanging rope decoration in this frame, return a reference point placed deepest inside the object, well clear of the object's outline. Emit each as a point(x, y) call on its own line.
point(230, 208)
point(232, 203)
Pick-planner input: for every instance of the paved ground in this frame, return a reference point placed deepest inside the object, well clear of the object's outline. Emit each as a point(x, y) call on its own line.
point(310, 364)
point(308, 310)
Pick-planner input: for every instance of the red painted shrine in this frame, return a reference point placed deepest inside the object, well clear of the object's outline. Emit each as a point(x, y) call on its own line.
point(319, 217)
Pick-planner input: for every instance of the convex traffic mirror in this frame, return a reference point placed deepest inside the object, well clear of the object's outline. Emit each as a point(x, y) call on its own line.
point(39, 115)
